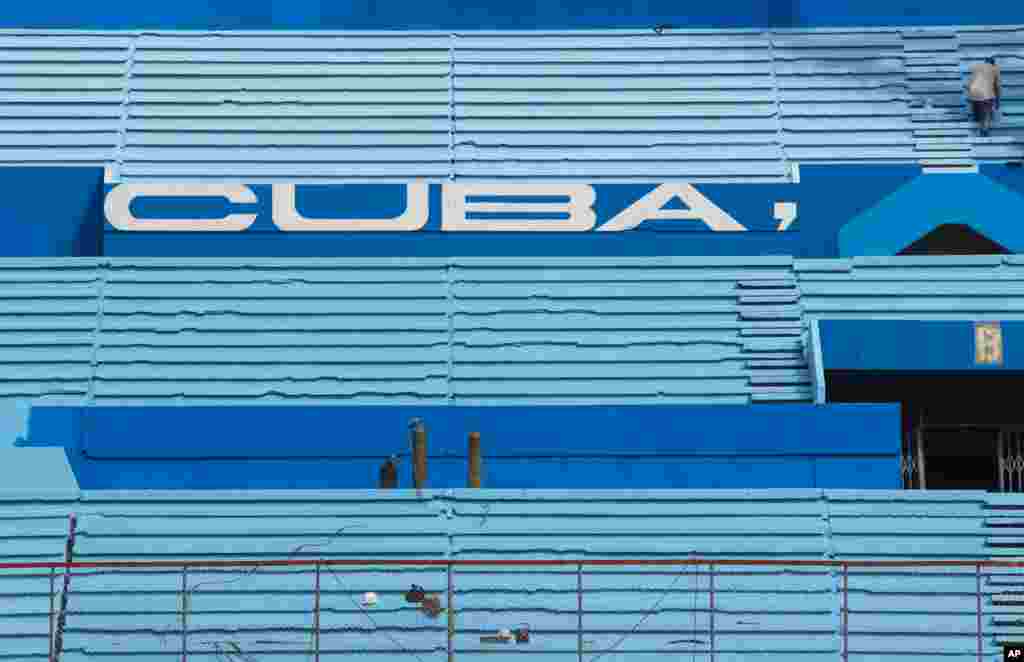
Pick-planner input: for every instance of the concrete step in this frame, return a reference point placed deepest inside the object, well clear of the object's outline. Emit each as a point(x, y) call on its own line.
point(941, 103)
point(926, 87)
point(996, 155)
point(948, 133)
point(996, 139)
point(998, 151)
point(932, 158)
point(969, 127)
point(955, 162)
point(1008, 130)
point(952, 167)
point(937, 46)
point(916, 77)
point(941, 140)
point(955, 113)
point(940, 119)
point(942, 146)
point(925, 123)
point(930, 33)
point(943, 61)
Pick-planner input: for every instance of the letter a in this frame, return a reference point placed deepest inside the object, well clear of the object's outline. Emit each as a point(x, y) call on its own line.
point(417, 209)
point(649, 208)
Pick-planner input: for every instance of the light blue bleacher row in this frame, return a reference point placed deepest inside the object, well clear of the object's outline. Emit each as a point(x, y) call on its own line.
point(737, 105)
point(469, 331)
point(628, 613)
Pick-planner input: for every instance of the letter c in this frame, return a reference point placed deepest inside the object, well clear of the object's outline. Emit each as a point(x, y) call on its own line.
point(118, 203)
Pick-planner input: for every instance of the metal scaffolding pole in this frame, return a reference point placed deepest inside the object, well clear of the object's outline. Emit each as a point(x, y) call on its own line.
point(316, 617)
point(451, 615)
point(184, 613)
point(53, 574)
point(845, 620)
point(978, 588)
point(711, 609)
point(579, 612)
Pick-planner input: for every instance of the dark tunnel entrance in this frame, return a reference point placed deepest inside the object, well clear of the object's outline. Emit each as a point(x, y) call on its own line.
point(954, 239)
point(960, 430)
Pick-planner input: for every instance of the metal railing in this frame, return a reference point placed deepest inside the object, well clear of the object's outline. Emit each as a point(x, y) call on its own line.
point(467, 612)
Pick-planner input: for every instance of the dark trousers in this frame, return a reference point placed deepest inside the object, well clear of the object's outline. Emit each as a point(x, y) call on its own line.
point(983, 113)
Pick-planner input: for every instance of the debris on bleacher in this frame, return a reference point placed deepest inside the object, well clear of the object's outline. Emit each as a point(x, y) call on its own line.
point(502, 637)
point(389, 474)
point(431, 606)
point(415, 594)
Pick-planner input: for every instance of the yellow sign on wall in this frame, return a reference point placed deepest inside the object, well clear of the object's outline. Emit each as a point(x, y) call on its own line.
point(988, 343)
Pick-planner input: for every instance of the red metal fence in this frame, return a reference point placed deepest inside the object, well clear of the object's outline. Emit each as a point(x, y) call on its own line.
point(706, 570)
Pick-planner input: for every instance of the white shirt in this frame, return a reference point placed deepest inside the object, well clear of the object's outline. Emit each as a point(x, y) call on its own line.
point(982, 86)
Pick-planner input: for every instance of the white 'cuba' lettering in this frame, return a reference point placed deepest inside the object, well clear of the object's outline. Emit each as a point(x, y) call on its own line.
point(417, 211)
point(456, 206)
point(579, 208)
point(649, 208)
point(118, 207)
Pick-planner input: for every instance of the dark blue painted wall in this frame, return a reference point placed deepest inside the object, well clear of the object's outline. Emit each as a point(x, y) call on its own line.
point(58, 212)
point(905, 12)
point(815, 233)
point(394, 14)
point(913, 346)
point(634, 447)
point(51, 212)
point(491, 14)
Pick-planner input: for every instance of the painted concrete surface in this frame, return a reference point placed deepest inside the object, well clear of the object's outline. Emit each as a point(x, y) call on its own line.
point(535, 16)
point(468, 331)
point(777, 614)
point(563, 447)
point(739, 105)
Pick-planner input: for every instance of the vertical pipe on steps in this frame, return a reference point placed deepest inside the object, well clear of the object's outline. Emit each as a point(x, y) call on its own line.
point(419, 453)
point(475, 460)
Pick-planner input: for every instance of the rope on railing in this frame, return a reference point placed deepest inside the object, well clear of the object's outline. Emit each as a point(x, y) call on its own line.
point(62, 614)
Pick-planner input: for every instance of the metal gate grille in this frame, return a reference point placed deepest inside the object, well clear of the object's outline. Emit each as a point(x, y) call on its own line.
point(912, 461)
point(1011, 460)
point(1009, 452)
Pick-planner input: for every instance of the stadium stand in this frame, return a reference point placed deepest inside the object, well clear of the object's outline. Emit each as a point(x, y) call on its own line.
point(459, 331)
point(764, 613)
point(699, 106)
point(738, 105)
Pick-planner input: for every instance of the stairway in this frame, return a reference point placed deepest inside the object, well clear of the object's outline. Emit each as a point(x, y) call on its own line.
point(941, 125)
point(1004, 587)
